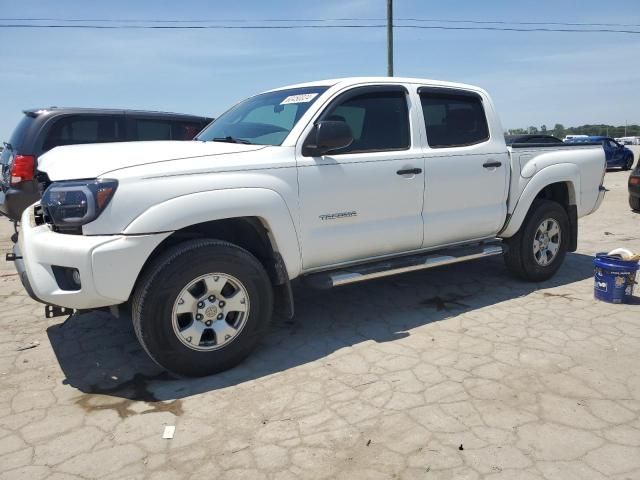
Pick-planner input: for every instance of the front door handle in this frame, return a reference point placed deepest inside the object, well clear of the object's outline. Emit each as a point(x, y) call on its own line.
point(410, 171)
point(492, 164)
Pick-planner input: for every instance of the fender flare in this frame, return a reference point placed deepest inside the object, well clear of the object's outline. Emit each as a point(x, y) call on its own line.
point(559, 173)
point(186, 210)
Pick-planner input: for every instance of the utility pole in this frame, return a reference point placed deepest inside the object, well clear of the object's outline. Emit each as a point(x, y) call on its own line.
point(390, 38)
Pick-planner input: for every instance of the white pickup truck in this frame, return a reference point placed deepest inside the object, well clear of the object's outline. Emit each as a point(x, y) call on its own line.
point(335, 182)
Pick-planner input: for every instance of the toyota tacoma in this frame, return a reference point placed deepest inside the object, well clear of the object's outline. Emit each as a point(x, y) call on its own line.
point(330, 182)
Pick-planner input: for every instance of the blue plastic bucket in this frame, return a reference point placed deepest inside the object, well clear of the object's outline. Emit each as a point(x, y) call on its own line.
point(614, 278)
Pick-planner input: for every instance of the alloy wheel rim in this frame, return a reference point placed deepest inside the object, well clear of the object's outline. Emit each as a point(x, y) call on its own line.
point(546, 242)
point(210, 312)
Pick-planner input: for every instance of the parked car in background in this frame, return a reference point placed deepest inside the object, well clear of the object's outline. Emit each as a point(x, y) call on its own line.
point(41, 130)
point(333, 182)
point(570, 138)
point(628, 140)
point(634, 189)
point(533, 138)
point(618, 156)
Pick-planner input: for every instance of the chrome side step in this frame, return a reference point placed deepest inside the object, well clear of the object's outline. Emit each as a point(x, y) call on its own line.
point(399, 265)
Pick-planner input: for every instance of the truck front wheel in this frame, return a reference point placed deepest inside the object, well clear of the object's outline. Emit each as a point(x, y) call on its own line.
point(536, 252)
point(201, 307)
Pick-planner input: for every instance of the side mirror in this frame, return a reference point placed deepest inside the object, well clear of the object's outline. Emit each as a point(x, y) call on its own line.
point(326, 136)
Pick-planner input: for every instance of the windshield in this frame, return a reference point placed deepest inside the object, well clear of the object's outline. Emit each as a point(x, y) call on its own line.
point(265, 119)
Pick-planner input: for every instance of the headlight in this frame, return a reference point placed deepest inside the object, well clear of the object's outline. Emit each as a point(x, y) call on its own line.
point(75, 203)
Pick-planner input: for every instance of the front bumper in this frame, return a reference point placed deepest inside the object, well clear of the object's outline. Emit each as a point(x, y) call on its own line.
point(22, 273)
point(108, 264)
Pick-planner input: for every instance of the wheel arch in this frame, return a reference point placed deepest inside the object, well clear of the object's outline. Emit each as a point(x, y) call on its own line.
point(255, 219)
point(264, 210)
point(560, 183)
point(249, 233)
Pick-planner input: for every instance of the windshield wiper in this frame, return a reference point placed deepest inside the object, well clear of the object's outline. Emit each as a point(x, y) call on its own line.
point(230, 139)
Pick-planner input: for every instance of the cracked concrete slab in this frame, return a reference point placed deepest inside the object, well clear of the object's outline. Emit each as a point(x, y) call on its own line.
point(454, 373)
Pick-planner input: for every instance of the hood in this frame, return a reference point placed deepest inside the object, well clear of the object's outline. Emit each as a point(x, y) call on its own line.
point(91, 161)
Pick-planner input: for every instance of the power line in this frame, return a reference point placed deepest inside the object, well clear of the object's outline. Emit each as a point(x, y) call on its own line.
point(517, 29)
point(188, 27)
point(302, 27)
point(318, 20)
point(510, 22)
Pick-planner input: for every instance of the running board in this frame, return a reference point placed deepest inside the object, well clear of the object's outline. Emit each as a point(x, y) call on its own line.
point(394, 266)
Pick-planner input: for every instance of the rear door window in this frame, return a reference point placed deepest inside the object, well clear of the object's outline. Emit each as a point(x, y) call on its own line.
point(83, 129)
point(147, 129)
point(453, 119)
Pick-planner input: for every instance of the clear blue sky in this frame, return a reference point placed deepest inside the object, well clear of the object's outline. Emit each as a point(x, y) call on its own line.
point(535, 78)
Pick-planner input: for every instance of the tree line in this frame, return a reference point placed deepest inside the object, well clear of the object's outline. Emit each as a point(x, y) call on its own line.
point(560, 131)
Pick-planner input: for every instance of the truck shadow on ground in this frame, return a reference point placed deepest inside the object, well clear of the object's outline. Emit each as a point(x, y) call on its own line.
point(99, 354)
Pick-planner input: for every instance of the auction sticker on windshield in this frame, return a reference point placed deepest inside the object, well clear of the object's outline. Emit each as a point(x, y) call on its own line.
point(304, 98)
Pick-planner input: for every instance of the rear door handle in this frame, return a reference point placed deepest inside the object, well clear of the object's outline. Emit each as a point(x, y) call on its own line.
point(492, 164)
point(410, 171)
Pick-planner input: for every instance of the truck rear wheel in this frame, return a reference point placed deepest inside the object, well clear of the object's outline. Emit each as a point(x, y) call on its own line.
point(634, 203)
point(201, 307)
point(536, 252)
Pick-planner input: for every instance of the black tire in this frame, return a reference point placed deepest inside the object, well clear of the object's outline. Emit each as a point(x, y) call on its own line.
point(634, 203)
point(519, 257)
point(629, 163)
point(162, 282)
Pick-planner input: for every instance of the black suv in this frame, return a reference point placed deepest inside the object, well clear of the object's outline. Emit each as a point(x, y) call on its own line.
point(41, 130)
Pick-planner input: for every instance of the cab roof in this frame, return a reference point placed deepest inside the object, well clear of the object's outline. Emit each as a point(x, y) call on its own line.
point(348, 81)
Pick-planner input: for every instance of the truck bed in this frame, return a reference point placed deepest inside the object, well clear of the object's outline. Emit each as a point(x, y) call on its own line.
point(581, 163)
